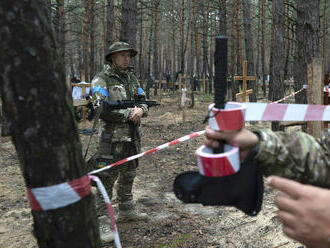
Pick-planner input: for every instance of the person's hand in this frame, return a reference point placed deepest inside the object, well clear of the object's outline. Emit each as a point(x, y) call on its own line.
point(304, 211)
point(244, 139)
point(136, 115)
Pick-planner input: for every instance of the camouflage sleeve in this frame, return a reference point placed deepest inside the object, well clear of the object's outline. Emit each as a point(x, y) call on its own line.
point(101, 92)
point(295, 155)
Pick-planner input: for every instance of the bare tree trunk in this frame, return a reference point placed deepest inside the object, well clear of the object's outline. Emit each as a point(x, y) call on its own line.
point(234, 50)
point(156, 41)
point(271, 62)
point(92, 39)
point(110, 23)
point(308, 41)
point(223, 17)
point(60, 27)
point(128, 23)
point(263, 45)
point(278, 54)
point(196, 35)
point(191, 57)
point(249, 46)
point(85, 38)
point(46, 138)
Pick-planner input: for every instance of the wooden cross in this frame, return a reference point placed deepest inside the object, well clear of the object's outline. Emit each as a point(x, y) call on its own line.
point(82, 102)
point(245, 78)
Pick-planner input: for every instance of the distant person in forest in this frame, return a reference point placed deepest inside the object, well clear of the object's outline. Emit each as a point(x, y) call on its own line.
point(120, 137)
point(303, 209)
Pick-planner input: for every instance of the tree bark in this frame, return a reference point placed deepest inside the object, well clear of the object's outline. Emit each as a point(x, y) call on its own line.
point(223, 17)
point(249, 46)
point(278, 54)
point(307, 42)
point(92, 39)
point(110, 24)
point(128, 23)
point(263, 45)
point(43, 128)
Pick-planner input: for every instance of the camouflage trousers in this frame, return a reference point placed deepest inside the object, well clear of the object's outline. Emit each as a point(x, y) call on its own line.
point(124, 174)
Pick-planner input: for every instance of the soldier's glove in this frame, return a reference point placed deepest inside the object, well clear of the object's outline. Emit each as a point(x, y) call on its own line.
point(243, 190)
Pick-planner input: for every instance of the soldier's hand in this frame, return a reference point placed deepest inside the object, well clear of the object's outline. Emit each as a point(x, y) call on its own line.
point(244, 139)
point(136, 115)
point(304, 211)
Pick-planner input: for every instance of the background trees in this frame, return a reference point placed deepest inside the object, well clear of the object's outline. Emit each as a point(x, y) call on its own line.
point(174, 36)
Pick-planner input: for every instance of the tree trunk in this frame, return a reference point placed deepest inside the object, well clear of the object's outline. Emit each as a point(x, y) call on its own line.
point(110, 24)
point(278, 54)
point(85, 38)
point(263, 44)
point(308, 42)
point(271, 62)
point(43, 129)
point(156, 42)
point(128, 23)
point(249, 46)
point(223, 17)
point(92, 39)
point(60, 27)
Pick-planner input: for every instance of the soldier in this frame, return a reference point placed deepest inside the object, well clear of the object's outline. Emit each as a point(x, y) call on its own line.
point(303, 209)
point(120, 137)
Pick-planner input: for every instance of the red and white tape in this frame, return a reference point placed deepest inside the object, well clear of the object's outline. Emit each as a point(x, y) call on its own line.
point(229, 118)
point(59, 195)
point(158, 148)
point(326, 89)
point(109, 209)
point(226, 163)
point(292, 94)
point(218, 165)
point(286, 112)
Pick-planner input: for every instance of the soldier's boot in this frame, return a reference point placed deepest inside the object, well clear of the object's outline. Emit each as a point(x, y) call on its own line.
point(131, 215)
point(106, 234)
point(127, 213)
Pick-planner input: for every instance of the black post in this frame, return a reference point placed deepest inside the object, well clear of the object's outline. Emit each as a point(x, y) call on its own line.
point(220, 80)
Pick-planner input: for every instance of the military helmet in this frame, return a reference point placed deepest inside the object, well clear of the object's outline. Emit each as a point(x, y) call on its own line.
point(118, 47)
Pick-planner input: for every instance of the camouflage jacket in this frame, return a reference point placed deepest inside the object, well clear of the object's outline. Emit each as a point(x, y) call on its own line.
point(114, 84)
point(295, 155)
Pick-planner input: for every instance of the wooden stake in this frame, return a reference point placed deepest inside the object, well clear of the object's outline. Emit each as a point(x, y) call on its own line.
point(315, 90)
point(245, 78)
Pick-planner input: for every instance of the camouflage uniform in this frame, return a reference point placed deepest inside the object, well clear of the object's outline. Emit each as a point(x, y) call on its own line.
point(295, 155)
point(120, 137)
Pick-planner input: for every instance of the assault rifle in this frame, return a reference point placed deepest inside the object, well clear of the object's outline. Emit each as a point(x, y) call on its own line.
point(123, 104)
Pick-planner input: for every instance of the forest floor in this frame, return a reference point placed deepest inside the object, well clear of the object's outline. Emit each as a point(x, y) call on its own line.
point(172, 223)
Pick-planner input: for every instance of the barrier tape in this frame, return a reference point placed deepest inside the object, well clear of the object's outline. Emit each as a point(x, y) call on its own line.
point(292, 94)
point(158, 148)
point(227, 163)
point(59, 195)
point(110, 211)
point(326, 89)
point(286, 112)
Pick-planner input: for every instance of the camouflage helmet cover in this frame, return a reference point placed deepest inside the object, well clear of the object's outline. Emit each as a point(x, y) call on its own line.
point(118, 47)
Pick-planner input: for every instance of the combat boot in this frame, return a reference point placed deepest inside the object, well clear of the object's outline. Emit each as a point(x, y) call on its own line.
point(106, 234)
point(131, 215)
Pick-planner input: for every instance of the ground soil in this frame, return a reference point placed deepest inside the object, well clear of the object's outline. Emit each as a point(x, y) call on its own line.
point(172, 223)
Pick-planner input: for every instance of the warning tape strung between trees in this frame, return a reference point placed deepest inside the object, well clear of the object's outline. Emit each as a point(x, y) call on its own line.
point(292, 94)
point(158, 148)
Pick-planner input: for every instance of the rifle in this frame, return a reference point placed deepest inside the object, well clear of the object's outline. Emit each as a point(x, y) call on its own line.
point(123, 104)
